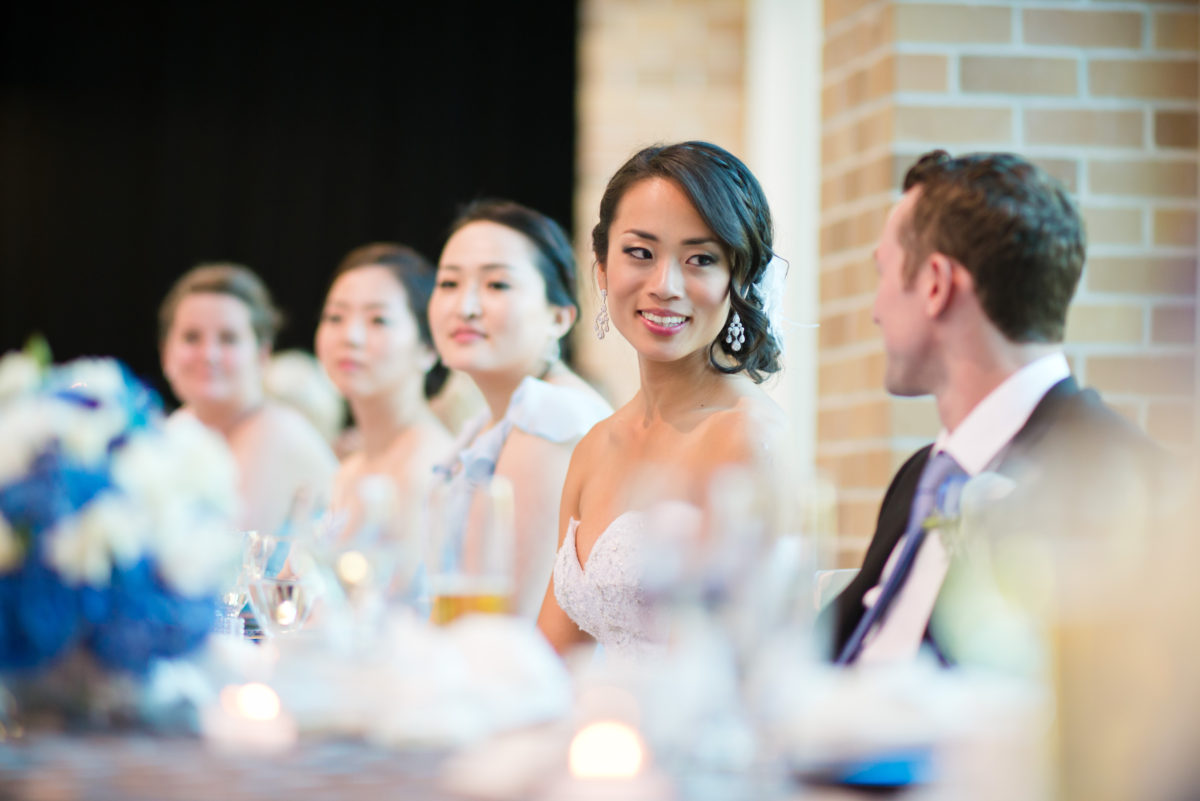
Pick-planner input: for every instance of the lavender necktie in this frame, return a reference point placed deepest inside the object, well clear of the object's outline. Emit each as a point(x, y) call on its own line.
point(939, 470)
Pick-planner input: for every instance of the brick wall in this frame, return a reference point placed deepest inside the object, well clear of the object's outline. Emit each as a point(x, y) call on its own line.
point(1103, 94)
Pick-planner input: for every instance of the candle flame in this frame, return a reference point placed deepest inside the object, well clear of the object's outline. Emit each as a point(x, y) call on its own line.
point(353, 567)
point(285, 613)
point(252, 701)
point(606, 750)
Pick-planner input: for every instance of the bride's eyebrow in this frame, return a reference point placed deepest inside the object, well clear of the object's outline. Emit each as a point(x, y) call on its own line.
point(700, 240)
point(642, 234)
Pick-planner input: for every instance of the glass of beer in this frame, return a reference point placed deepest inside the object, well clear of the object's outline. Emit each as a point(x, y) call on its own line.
point(470, 558)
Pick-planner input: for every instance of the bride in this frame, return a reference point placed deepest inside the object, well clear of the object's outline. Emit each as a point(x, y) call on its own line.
point(682, 248)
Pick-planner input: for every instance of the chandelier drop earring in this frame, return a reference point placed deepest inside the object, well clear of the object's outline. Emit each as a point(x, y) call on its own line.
point(601, 324)
point(735, 334)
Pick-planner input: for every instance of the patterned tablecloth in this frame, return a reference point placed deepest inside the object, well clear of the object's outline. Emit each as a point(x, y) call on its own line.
point(137, 767)
point(141, 767)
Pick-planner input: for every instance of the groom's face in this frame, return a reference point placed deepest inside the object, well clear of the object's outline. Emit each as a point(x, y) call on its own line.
point(900, 310)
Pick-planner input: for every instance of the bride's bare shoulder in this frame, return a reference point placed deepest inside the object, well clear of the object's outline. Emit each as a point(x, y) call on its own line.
point(749, 428)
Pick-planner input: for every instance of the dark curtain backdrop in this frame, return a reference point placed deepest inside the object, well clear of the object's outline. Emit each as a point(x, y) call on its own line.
point(134, 144)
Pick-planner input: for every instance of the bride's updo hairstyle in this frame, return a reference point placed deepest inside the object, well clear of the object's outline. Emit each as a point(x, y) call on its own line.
point(732, 204)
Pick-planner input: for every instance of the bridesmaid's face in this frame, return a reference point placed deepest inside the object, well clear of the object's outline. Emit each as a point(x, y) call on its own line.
point(211, 354)
point(367, 339)
point(489, 312)
point(666, 273)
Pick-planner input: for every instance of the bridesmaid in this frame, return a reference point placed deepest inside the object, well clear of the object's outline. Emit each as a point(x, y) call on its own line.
point(500, 312)
point(216, 328)
point(374, 342)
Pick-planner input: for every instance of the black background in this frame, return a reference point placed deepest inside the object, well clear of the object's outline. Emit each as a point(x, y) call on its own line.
point(136, 143)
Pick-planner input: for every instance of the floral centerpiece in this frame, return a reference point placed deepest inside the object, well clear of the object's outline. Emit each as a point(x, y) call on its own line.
point(115, 532)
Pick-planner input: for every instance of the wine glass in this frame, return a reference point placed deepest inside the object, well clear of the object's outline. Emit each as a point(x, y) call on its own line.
point(235, 594)
point(470, 558)
point(281, 606)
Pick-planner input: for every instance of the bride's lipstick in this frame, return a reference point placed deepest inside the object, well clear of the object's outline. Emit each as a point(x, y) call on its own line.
point(662, 321)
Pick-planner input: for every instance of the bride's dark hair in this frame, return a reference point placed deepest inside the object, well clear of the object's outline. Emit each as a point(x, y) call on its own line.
point(729, 199)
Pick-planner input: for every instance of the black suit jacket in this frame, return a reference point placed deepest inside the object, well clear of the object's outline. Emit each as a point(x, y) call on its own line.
point(1073, 451)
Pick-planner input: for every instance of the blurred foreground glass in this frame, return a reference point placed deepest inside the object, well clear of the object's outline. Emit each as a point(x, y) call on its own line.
point(236, 592)
point(470, 555)
point(281, 606)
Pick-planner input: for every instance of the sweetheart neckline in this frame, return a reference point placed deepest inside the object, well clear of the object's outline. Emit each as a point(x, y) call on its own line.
point(574, 523)
point(573, 527)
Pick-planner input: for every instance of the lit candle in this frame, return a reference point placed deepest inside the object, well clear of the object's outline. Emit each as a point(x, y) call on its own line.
point(607, 760)
point(248, 718)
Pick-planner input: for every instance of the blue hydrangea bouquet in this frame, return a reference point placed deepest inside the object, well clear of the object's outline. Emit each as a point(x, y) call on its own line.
point(115, 533)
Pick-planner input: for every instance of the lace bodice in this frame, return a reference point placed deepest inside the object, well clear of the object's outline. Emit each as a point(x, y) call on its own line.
point(608, 596)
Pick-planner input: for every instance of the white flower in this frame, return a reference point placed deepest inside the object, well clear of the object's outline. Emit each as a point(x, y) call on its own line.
point(101, 378)
point(85, 433)
point(109, 530)
point(10, 547)
point(185, 478)
point(184, 459)
point(19, 374)
point(196, 555)
point(26, 429)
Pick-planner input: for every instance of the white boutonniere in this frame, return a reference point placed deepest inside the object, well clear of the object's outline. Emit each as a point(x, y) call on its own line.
point(963, 509)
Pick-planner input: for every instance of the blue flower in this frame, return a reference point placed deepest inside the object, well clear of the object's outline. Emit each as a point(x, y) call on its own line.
point(39, 617)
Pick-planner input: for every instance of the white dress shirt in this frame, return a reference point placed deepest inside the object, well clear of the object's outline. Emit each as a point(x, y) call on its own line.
point(976, 444)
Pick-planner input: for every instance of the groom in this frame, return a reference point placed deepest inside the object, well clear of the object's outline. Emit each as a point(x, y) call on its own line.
point(977, 264)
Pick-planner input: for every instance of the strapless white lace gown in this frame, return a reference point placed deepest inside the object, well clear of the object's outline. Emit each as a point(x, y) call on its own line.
point(608, 596)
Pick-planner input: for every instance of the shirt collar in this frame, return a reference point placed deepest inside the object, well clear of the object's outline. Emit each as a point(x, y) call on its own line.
point(990, 426)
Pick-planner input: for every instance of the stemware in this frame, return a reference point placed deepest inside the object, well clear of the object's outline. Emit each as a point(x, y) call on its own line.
point(470, 558)
point(281, 606)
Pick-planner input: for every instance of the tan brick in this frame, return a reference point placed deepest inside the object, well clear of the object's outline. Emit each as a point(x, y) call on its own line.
point(869, 469)
point(869, 33)
point(1146, 178)
point(1113, 226)
point(1066, 171)
point(857, 374)
point(1082, 28)
point(1173, 325)
point(1142, 79)
point(852, 548)
point(1142, 375)
point(856, 524)
point(837, 10)
point(1176, 31)
point(1175, 227)
point(1111, 324)
point(953, 124)
point(1071, 127)
point(1018, 75)
point(1142, 276)
point(847, 328)
point(1175, 129)
point(914, 417)
point(1172, 424)
point(848, 281)
point(916, 72)
point(861, 421)
point(953, 24)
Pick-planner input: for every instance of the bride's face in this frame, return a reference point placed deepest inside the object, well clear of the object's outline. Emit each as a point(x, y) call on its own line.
point(666, 273)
